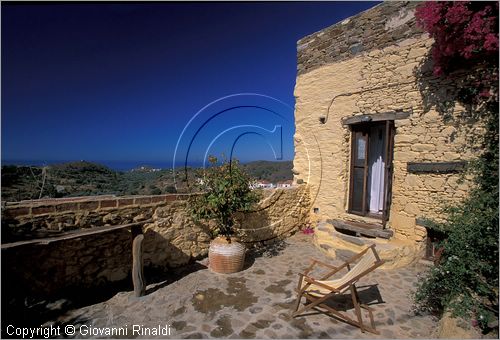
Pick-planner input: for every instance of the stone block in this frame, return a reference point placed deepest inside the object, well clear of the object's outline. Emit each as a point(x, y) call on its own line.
point(108, 203)
point(417, 52)
point(17, 211)
point(402, 222)
point(125, 202)
point(412, 209)
point(405, 138)
point(406, 156)
point(142, 200)
point(91, 205)
point(435, 183)
point(413, 181)
point(454, 328)
point(158, 199)
point(423, 147)
point(44, 209)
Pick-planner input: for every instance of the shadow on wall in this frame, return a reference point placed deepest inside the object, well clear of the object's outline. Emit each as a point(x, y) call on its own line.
point(443, 93)
point(42, 280)
point(161, 256)
point(279, 216)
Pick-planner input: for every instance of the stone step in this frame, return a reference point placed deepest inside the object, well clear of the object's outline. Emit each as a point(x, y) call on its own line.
point(356, 240)
point(365, 229)
point(396, 253)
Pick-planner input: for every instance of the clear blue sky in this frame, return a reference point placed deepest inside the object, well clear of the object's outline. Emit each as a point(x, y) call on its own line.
point(121, 81)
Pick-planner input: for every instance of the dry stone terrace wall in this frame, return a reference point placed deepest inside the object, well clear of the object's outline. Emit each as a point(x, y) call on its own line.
point(68, 262)
point(372, 63)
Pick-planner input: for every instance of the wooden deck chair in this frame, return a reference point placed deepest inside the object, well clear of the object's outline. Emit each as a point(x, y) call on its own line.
point(318, 291)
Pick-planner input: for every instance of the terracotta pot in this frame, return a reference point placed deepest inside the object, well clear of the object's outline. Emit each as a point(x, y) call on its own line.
point(226, 257)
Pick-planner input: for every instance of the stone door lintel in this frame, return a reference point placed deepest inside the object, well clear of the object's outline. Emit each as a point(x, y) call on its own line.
point(375, 117)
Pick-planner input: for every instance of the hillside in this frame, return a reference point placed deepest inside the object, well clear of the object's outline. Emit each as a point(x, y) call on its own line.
point(270, 171)
point(86, 178)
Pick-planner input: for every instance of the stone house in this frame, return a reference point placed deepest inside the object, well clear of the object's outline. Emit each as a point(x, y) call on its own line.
point(373, 141)
point(284, 184)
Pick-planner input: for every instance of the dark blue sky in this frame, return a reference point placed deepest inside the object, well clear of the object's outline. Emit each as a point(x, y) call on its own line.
point(121, 81)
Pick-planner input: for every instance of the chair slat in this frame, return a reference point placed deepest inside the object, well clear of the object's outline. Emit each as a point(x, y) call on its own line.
point(318, 291)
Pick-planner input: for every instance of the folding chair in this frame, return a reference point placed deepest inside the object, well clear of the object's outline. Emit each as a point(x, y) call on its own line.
point(318, 291)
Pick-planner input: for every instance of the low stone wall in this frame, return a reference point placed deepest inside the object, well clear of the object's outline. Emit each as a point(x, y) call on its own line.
point(173, 238)
point(100, 253)
point(66, 266)
point(44, 217)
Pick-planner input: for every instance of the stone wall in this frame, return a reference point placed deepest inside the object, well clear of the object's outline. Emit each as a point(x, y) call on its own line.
point(29, 219)
point(377, 62)
point(99, 252)
point(376, 28)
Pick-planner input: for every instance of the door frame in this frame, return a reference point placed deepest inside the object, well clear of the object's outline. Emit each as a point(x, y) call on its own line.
point(388, 168)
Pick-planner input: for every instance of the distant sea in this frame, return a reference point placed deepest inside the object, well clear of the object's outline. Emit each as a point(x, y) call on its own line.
point(115, 165)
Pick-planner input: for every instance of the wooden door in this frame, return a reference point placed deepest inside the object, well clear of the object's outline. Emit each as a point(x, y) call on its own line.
point(389, 150)
point(359, 171)
point(359, 192)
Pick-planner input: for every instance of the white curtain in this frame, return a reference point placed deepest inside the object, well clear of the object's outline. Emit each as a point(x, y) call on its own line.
point(376, 170)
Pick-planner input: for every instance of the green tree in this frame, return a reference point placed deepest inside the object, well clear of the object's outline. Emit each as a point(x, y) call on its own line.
point(222, 190)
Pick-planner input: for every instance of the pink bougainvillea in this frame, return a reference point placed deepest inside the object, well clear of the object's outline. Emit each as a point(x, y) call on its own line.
point(308, 230)
point(465, 38)
point(461, 29)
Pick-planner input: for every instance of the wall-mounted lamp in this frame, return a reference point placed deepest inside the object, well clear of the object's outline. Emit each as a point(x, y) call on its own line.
point(322, 119)
point(366, 119)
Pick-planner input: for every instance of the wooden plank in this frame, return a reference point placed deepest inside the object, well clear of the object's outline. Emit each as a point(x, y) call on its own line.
point(73, 234)
point(351, 175)
point(372, 230)
point(388, 171)
point(138, 266)
point(365, 174)
point(375, 117)
point(436, 167)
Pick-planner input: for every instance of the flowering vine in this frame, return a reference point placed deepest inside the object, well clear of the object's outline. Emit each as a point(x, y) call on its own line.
point(466, 37)
point(465, 50)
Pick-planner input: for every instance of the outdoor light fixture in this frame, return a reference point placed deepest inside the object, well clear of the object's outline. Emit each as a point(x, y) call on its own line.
point(366, 119)
point(322, 119)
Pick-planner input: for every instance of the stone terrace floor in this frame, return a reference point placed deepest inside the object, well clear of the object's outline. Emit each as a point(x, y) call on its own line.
point(256, 303)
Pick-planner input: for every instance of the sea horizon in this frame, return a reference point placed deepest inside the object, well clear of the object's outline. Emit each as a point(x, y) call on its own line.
point(116, 165)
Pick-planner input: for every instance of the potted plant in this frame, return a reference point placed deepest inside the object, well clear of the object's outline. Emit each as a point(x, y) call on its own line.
point(223, 190)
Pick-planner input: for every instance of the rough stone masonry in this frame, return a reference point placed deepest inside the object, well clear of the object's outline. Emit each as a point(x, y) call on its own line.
point(84, 246)
point(374, 63)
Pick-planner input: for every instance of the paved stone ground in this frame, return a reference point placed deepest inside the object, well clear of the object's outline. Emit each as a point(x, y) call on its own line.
point(256, 303)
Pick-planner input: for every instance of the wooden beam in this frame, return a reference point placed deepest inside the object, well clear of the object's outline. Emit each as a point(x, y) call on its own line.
point(138, 266)
point(73, 234)
point(375, 117)
point(372, 230)
point(436, 167)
